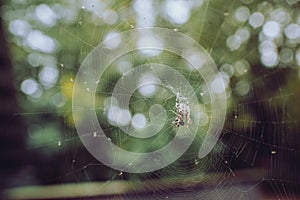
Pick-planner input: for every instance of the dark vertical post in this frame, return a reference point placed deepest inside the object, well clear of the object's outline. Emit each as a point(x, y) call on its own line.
point(12, 129)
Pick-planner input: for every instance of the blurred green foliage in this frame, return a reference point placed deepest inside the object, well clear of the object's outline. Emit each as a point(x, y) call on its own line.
point(74, 28)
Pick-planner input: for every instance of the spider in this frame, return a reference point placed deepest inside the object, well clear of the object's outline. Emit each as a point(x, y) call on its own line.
point(182, 111)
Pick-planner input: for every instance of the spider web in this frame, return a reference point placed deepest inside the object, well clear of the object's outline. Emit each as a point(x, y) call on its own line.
point(260, 131)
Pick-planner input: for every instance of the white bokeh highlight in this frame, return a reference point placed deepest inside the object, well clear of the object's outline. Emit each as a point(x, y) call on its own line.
point(256, 19)
point(147, 84)
point(112, 40)
point(242, 14)
point(178, 11)
point(271, 29)
point(46, 15)
point(292, 31)
point(41, 42)
point(138, 121)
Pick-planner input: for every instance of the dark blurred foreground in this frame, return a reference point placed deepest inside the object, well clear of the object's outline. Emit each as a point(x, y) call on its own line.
point(248, 186)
